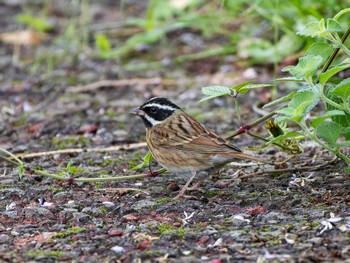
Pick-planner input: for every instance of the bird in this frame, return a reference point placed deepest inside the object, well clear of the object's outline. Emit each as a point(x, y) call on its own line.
point(181, 144)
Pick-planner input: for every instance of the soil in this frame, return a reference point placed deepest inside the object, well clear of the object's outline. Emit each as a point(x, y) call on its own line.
point(247, 213)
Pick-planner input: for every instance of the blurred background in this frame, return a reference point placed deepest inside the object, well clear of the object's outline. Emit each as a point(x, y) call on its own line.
point(76, 67)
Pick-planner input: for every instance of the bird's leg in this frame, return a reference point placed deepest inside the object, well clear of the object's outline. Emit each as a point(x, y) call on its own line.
point(196, 185)
point(182, 191)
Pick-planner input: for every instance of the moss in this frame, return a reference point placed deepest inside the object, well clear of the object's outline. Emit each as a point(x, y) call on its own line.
point(166, 229)
point(38, 252)
point(310, 224)
point(65, 142)
point(215, 193)
point(164, 200)
point(69, 232)
point(265, 229)
point(103, 210)
point(154, 253)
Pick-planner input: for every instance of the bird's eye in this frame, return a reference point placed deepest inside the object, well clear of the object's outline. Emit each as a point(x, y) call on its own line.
point(153, 109)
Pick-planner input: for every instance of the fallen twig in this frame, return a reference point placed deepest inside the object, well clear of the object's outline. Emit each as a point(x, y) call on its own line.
point(79, 150)
point(295, 169)
point(120, 83)
point(96, 179)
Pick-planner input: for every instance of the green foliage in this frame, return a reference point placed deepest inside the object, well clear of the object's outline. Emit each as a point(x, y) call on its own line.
point(146, 162)
point(44, 253)
point(212, 92)
point(332, 129)
point(319, 87)
point(166, 229)
point(71, 170)
point(103, 46)
point(70, 231)
point(164, 200)
point(39, 23)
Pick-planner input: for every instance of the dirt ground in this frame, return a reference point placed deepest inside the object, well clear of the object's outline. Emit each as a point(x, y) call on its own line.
point(247, 213)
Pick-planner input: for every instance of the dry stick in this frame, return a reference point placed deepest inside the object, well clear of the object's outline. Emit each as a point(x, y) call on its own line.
point(79, 150)
point(95, 180)
point(296, 169)
point(119, 83)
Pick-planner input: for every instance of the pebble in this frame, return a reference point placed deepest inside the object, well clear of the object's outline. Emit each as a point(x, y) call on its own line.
point(118, 249)
point(315, 240)
point(36, 211)
point(143, 204)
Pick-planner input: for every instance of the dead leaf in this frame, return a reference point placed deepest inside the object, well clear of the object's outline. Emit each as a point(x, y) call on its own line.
point(26, 37)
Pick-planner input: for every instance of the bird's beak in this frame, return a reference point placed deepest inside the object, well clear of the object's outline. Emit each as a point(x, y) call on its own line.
point(137, 112)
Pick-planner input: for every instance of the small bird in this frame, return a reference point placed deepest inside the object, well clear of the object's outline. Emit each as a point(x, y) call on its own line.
point(181, 144)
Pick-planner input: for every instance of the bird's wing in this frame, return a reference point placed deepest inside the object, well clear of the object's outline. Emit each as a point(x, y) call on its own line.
point(183, 132)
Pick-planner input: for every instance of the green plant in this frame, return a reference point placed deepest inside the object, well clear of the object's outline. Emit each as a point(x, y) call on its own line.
point(39, 23)
point(317, 87)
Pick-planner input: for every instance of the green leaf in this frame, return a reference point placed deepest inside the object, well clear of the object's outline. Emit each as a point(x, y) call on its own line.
point(343, 144)
point(301, 104)
point(288, 135)
point(39, 23)
point(20, 171)
point(241, 85)
point(288, 79)
point(282, 99)
point(319, 48)
point(333, 26)
point(342, 90)
point(311, 29)
point(307, 66)
point(146, 161)
point(315, 122)
point(302, 97)
point(102, 43)
point(346, 133)
point(215, 91)
point(329, 131)
point(252, 86)
point(324, 77)
point(343, 120)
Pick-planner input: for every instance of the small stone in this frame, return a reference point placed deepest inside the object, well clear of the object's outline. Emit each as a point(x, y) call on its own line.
point(92, 211)
point(36, 211)
point(81, 217)
point(315, 240)
point(131, 217)
point(143, 204)
point(5, 239)
point(118, 249)
point(173, 187)
point(115, 232)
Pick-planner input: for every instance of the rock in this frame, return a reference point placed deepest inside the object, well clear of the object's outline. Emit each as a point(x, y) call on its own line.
point(118, 249)
point(5, 239)
point(92, 211)
point(36, 212)
point(12, 192)
point(81, 217)
point(143, 203)
point(315, 240)
point(62, 196)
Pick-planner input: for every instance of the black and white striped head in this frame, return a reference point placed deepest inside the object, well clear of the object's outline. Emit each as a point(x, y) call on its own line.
point(155, 110)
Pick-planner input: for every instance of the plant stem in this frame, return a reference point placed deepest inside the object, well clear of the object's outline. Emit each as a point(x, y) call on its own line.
point(18, 161)
point(246, 128)
point(313, 137)
point(274, 143)
point(335, 52)
point(94, 180)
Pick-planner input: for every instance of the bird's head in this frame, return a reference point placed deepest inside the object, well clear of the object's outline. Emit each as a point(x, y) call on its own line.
point(155, 111)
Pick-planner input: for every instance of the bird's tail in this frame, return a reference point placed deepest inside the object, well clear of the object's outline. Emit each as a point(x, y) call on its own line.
point(240, 155)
